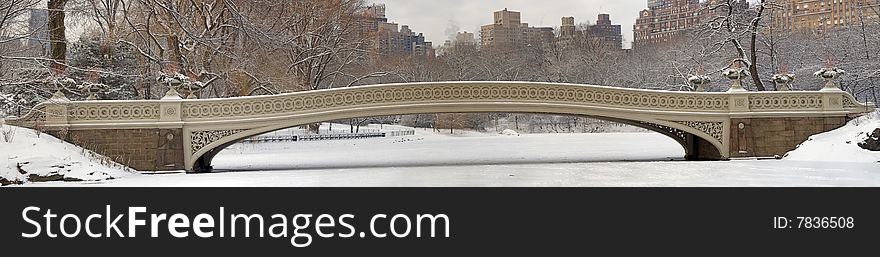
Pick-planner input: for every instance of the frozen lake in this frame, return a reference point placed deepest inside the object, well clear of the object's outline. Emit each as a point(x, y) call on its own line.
point(474, 159)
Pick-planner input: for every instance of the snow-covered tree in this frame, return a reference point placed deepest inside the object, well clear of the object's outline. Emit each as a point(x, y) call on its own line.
point(114, 66)
point(731, 24)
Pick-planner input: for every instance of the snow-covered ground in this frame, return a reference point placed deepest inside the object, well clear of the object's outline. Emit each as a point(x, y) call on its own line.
point(30, 156)
point(841, 145)
point(428, 148)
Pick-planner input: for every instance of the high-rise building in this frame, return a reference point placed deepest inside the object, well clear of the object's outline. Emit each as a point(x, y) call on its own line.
point(425, 49)
point(823, 15)
point(538, 36)
point(508, 30)
point(38, 30)
point(464, 39)
point(568, 28)
point(370, 18)
point(604, 30)
point(608, 32)
point(667, 20)
point(392, 40)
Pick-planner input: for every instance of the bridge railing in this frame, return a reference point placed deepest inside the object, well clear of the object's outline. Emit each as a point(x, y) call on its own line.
point(174, 111)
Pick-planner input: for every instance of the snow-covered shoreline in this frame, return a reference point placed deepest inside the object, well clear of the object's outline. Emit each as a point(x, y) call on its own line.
point(840, 145)
point(30, 156)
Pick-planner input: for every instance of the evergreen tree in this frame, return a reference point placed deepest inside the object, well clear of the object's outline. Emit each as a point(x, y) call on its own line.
point(112, 65)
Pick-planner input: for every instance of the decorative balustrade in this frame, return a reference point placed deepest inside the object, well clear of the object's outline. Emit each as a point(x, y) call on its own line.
point(634, 100)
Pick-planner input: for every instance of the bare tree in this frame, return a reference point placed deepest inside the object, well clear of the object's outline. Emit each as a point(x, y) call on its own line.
point(733, 22)
point(453, 121)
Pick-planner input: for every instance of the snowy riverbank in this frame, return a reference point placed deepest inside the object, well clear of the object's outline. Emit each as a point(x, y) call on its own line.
point(841, 145)
point(29, 156)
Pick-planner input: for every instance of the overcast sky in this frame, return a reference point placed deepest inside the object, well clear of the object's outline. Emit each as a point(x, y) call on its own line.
point(439, 19)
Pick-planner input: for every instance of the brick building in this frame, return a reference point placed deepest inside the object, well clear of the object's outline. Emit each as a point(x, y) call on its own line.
point(392, 39)
point(823, 14)
point(370, 18)
point(603, 29)
point(465, 38)
point(666, 20)
point(568, 27)
point(508, 30)
point(606, 31)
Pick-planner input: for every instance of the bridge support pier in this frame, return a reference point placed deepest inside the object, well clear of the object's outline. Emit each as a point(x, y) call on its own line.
point(141, 149)
point(769, 137)
point(698, 149)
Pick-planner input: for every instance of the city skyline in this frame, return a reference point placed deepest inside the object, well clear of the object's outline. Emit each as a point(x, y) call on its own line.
point(440, 20)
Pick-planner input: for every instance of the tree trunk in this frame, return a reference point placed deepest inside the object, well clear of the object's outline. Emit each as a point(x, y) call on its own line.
point(57, 37)
point(176, 57)
point(516, 122)
point(753, 69)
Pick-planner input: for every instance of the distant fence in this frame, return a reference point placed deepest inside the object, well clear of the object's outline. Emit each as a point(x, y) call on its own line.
point(321, 137)
point(400, 133)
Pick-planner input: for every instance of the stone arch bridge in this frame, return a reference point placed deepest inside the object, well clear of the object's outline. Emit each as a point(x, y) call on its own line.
point(174, 133)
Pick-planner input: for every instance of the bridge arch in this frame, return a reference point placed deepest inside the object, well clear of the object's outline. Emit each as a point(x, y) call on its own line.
point(698, 144)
